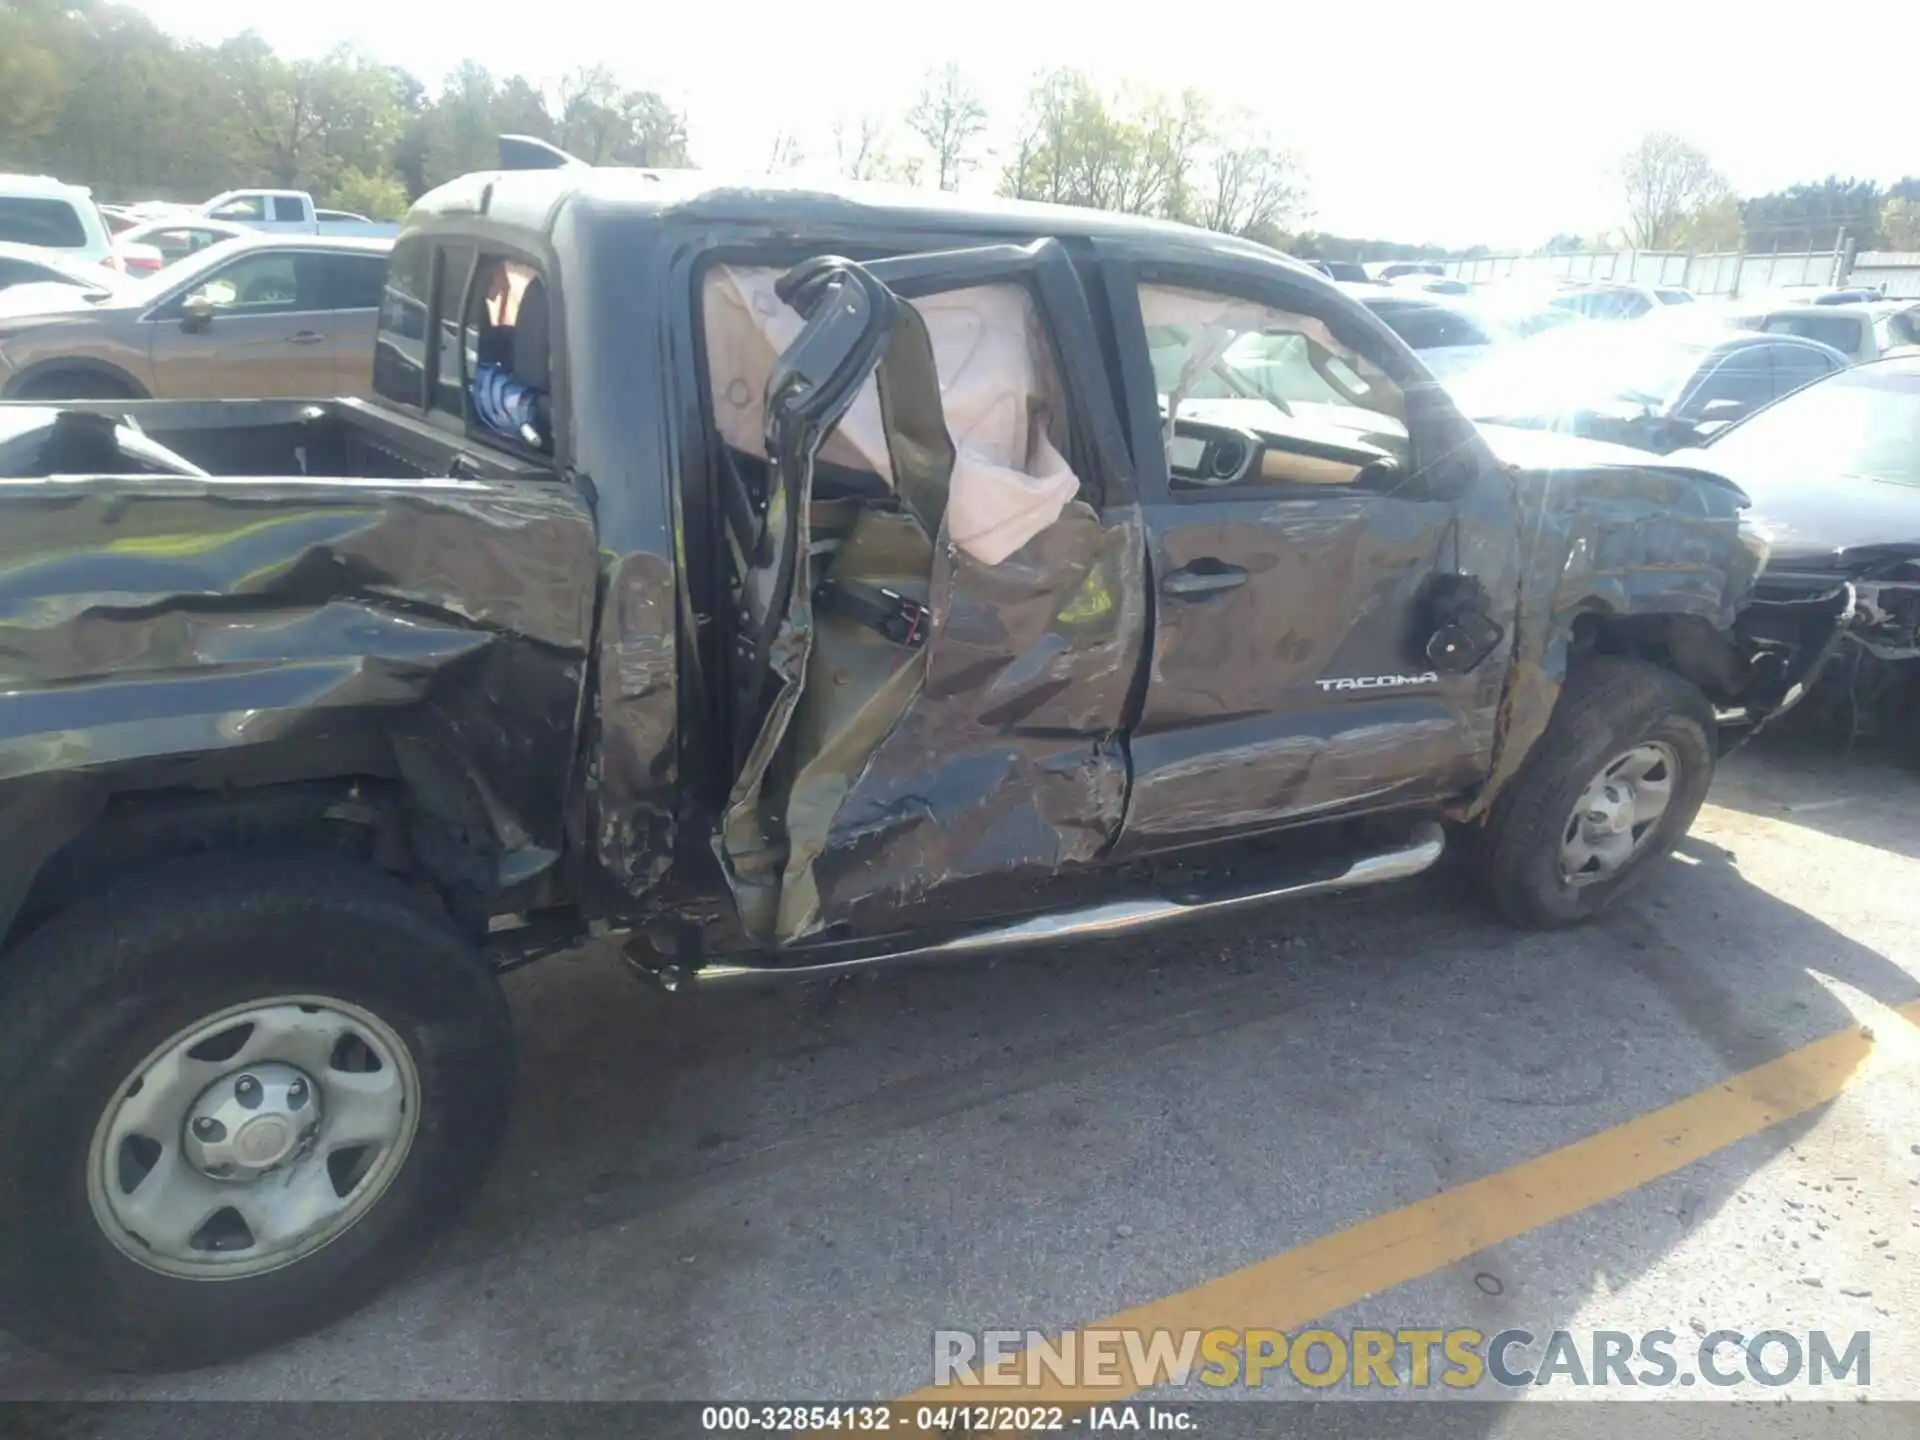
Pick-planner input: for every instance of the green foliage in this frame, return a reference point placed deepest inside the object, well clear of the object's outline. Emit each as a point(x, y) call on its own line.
point(1149, 152)
point(1900, 224)
point(1671, 190)
point(378, 197)
point(96, 94)
point(1809, 216)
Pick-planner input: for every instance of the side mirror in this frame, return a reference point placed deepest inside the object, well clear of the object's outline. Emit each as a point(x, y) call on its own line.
point(196, 313)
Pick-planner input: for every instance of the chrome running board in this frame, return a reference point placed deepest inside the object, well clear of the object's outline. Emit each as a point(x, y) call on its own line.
point(1118, 917)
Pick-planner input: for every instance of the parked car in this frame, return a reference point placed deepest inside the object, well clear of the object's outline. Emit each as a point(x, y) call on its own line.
point(39, 210)
point(290, 212)
point(1456, 334)
point(260, 316)
point(173, 239)
point(1834, 475)
point(1861, 332)
point(1451, 337)
point(23, 265)
point(1654, 388)
point(658, 623)
point(136, 259)
point(1351, 271)
point(1613, 300)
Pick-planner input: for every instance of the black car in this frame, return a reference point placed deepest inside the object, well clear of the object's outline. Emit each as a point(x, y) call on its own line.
point(1652, 387)
point(1833, 472)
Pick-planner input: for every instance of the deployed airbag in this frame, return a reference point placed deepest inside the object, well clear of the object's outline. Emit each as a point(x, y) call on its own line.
point(1009, 480)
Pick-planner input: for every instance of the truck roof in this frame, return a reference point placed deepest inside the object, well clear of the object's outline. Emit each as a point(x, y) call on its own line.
point(531, 201)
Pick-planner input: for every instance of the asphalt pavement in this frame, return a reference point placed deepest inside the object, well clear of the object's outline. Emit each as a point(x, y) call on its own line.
point(784, 1193)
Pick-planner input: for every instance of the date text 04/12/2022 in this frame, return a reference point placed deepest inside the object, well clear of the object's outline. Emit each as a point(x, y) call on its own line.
point(982, 1419)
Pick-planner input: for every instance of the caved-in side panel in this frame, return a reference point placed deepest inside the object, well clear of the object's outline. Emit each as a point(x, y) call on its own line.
point(1008, 767)
point(147, 620)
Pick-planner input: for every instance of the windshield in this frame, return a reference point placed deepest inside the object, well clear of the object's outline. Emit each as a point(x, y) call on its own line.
point(1275, 367)
point(1583, 367)
point(1862, 423)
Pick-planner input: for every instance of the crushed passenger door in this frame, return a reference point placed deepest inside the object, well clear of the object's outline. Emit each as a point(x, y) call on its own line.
point(937, 645)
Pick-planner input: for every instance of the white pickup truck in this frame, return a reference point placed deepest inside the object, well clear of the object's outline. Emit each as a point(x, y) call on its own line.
point(290, 212)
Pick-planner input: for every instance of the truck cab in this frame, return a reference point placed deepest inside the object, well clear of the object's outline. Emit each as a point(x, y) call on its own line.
point(784, 582)
point(289, 212)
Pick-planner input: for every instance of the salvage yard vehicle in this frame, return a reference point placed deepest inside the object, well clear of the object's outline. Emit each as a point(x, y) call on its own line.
point(865, 578)
point(1834, 475)
point(1653, 387)
point(260, 315)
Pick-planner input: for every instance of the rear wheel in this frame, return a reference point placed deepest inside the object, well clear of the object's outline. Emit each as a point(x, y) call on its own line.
point(238, 1095)
point(1611, 787)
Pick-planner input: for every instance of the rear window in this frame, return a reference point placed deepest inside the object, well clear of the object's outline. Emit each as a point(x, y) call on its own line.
point(41, 220)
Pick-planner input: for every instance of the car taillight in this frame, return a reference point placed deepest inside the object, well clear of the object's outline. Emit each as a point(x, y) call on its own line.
point(140, 264)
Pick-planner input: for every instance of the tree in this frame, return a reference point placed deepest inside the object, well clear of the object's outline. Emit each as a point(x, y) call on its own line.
point(378, 197)
point(1900, 224)
point(786, 153)
point(1253, 188)
point(606, 125)
point(1666, 184)
point(949, 117)
point(1810, 216)
point(303, 122)
point(1151, 153)
point(863, 150)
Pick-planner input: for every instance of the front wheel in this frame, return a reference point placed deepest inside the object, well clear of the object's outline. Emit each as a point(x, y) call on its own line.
point(1611, 787)
point(235, 1097)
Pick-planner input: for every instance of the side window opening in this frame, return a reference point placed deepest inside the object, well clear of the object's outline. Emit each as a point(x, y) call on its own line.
point(505, 355)
point(1000, 395)
point(400, 345)
point(1255, 396)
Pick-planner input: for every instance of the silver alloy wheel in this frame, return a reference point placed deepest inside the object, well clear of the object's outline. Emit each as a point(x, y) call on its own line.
point(1618, 815)
point(253, 1137)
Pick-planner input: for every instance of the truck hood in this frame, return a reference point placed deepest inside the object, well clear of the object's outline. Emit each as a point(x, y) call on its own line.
point(1549, 451)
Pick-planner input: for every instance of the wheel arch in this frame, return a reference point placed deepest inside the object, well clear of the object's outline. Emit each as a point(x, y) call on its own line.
point(406, 806)
point(81, 365)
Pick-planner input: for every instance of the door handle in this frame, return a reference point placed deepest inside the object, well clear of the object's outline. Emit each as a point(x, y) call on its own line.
point(305, 337)
point(1205, 577)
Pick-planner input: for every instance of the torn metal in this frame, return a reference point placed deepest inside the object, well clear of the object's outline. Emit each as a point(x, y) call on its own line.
point(151, 624)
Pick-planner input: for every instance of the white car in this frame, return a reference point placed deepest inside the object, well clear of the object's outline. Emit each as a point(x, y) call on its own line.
point(290, 212)
point(1451, 334)
point(1861, 332)
point(25, 265)
point(46, 213)
point(175, 237)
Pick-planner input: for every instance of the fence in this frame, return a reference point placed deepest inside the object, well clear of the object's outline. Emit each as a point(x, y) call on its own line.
point(1897, 271)
point(1725, 273)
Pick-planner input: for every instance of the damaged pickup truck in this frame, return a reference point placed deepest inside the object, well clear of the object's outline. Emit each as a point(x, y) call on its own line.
point(852, 579)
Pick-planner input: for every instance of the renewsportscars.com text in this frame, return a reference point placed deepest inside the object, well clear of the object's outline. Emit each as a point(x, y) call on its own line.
point(1416, 1359)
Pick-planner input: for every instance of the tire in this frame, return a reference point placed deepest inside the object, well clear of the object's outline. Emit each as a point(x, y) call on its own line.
point(93, 996)
point(1610, 708)
point(74, 385)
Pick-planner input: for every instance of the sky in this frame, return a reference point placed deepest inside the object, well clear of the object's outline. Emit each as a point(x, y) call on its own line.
point(1476, 121)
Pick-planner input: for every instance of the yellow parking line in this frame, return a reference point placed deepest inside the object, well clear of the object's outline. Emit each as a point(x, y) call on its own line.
point(1287, 1291)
